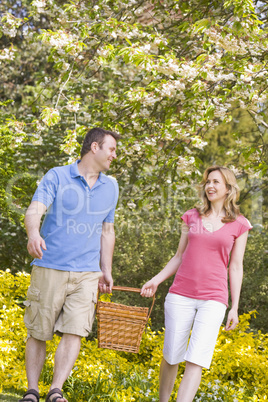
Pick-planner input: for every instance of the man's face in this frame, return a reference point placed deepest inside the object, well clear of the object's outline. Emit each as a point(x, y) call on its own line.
point(106, 153)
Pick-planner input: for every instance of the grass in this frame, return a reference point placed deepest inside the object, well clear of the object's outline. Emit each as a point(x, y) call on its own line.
point(9, 397)
point(12, 397)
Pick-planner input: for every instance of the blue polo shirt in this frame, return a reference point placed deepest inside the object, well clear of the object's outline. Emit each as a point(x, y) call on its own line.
point(72, 226)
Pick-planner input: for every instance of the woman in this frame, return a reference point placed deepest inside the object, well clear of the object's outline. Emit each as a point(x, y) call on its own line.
point(198, 297)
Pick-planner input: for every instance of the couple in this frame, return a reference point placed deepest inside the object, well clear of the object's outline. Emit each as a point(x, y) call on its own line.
point(73, 257)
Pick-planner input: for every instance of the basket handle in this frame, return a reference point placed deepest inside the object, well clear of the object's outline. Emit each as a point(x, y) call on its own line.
point(124, 288)
point(136, 290)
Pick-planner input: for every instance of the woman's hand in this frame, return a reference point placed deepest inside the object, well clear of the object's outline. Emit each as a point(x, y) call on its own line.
point(232, 320)
point(149, 288)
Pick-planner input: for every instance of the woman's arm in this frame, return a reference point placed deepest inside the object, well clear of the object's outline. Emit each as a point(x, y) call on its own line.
point(150, 287)
point(235, 278)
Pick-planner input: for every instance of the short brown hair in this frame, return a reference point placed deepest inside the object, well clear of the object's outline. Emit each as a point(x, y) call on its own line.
point(96, 134)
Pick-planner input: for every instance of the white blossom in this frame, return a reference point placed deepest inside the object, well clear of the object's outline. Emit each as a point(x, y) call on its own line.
point(112, 113)
point(103, 52)
point(9, 25)
point(131, 205)
point(59, 39)
point(199, 143)
point(7, 54)
point(40, 5)
point(136, 147)
point(72, 106)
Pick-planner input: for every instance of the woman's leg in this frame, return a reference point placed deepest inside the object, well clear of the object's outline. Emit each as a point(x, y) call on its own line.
point(168, 374)
point(189, 383)
point(179, 316)
point(199, 353)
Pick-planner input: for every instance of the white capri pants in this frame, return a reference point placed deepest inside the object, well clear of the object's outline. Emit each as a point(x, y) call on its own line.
point(203, 317)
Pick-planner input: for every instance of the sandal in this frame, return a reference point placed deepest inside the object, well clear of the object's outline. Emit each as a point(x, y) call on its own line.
point(29, 399)
point(52, 392)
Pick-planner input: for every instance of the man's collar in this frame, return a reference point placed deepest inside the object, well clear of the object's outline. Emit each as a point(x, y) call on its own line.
point(75, 172)
point(74, 169)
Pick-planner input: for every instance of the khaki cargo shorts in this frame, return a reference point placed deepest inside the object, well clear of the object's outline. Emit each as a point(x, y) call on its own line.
point(60, 302)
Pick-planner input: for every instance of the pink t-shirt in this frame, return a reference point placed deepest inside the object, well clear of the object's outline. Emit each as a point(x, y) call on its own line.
point(203, 270)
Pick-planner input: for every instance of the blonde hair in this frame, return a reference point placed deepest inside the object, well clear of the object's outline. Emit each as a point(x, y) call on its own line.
point(231, 209)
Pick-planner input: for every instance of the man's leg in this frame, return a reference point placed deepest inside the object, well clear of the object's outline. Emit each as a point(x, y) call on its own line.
point(65, 357)
point(168, 374)
point(35, 358)
point(76, 316)
point(189, 383)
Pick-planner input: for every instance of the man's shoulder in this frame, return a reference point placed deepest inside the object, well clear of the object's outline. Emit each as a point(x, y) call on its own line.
point(58, 173)
point(62, 170)
point(59, 168)
point(108, 178)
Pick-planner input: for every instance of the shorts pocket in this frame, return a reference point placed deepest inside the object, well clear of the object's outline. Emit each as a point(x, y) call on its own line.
point(94, 297)
point(32, 307)
point(91, 312)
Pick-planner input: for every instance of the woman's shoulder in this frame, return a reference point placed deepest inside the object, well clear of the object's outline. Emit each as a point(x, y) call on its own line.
point(239, 226)
point(191, 214)
point(242, 220)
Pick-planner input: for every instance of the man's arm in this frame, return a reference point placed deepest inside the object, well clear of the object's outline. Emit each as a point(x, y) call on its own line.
point(32, 223)
point(106, 257)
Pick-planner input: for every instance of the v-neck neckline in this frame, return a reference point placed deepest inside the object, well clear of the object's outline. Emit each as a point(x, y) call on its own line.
point(214, 231)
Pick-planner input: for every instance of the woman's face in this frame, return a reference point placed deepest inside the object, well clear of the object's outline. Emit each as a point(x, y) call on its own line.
point(215, 187)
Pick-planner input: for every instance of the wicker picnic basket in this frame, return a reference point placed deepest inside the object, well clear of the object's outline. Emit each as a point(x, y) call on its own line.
point(120, 327)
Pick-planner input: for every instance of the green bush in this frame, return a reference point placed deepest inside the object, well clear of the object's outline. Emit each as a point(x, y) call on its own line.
point(238, 372)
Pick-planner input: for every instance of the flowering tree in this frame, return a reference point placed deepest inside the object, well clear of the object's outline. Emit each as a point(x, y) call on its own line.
point(162, 73)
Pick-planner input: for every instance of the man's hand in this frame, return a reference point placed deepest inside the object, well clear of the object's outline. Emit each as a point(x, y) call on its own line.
point(106, 283)
point(35, 246)
point(32, 224)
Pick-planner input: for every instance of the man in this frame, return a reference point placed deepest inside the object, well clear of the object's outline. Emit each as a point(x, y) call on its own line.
point(72, 255)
